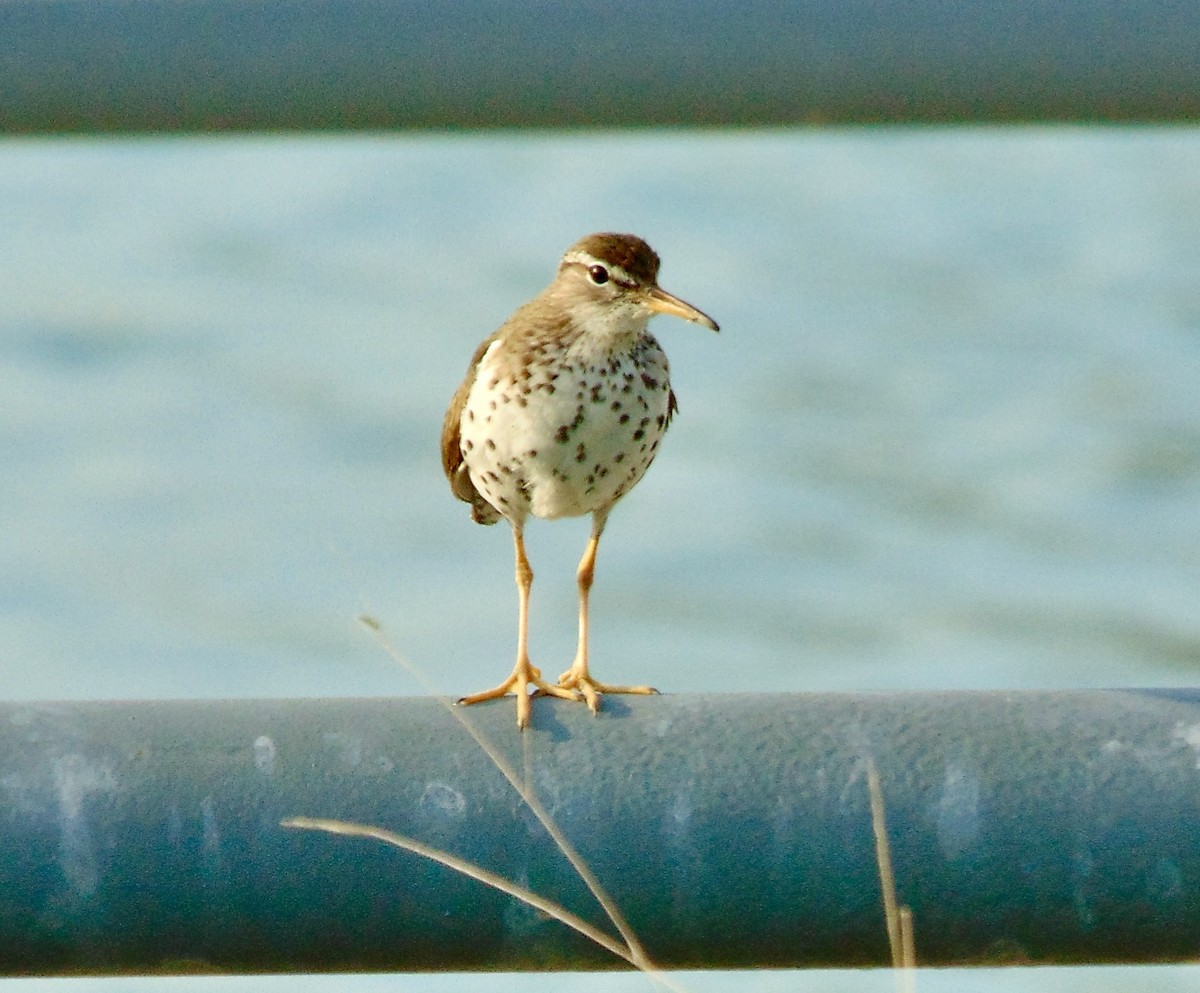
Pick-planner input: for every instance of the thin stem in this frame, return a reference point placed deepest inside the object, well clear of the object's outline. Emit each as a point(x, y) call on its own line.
point(471, 869)
point(637, 953)
point(883, 857)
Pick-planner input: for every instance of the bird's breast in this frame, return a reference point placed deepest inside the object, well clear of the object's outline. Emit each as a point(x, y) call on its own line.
point(564, 435)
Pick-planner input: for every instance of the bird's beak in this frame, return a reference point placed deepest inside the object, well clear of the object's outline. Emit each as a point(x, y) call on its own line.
point(662, 302)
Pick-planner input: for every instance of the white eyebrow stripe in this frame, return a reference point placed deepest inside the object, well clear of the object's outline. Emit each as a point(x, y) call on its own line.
point(615, 272)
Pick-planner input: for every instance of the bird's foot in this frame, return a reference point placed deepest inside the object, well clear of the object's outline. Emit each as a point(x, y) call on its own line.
point(518, 682)
point(577, 679)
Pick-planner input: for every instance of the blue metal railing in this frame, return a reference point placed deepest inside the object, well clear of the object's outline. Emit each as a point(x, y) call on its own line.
point(731, 831)
point(162, 65)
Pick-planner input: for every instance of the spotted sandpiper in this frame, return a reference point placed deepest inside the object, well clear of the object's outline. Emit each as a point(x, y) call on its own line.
point(560, 415)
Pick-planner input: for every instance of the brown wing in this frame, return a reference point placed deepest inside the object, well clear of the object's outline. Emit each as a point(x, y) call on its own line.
point(461, 486)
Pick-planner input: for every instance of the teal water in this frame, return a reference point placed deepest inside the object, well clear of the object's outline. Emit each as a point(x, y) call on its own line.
point(948, 437)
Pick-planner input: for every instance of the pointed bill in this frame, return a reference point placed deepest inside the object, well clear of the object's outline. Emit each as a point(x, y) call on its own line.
point(662, 302)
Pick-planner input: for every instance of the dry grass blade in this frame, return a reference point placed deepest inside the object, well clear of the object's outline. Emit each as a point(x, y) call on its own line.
point(899, 919)
point(908, 951)
point(476, 872)
point(883, 858)
point(636, 953)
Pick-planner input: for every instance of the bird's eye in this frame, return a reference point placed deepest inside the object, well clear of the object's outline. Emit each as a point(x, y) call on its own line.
point(598, 274)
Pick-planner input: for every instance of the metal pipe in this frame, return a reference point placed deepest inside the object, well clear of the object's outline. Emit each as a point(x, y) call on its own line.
point(160, 65)
point(733, 831)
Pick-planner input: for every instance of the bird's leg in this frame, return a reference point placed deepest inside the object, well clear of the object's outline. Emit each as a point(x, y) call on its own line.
point(578, 677)
point(524, 672)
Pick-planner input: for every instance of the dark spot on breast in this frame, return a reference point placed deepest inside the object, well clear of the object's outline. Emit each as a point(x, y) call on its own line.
point(639, 434)
point(619, 457)
point(623, 418)
point(532, 453)
point(468, 445)
point(649, 381)
point(491, 445)
point(580, 453)
point(562, 434)
point(660, 420)
point(616, 405)
point(470, 415)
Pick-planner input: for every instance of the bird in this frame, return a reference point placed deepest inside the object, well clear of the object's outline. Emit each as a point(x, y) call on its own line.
point(560, 415)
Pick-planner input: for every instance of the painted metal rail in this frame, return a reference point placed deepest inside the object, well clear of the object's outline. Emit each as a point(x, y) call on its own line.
point(732, 831)
point(163, 65)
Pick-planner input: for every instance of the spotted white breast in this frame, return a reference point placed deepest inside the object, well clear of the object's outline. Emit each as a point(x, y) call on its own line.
point(565, 437)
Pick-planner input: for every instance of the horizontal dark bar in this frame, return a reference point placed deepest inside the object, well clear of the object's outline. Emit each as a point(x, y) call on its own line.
point(168, 65)
point(733, 831)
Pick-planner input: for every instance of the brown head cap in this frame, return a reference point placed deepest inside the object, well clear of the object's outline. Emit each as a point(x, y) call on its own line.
point(626, 252)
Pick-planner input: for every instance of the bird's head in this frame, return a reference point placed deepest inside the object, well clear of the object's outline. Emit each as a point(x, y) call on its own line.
point(611, 281)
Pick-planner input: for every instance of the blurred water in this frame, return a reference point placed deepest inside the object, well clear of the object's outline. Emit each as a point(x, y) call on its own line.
point(949, 435)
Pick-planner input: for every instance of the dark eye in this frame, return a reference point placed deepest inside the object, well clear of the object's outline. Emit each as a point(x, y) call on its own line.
point(598, 274)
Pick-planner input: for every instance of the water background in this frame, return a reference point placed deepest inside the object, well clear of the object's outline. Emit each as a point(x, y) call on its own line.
point(948, 437)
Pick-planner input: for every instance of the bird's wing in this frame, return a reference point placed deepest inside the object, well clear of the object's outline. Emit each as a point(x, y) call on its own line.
point(452, 458)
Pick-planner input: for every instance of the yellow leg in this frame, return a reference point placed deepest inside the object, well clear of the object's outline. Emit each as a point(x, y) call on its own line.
point(523, 672)
point(578, 677)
